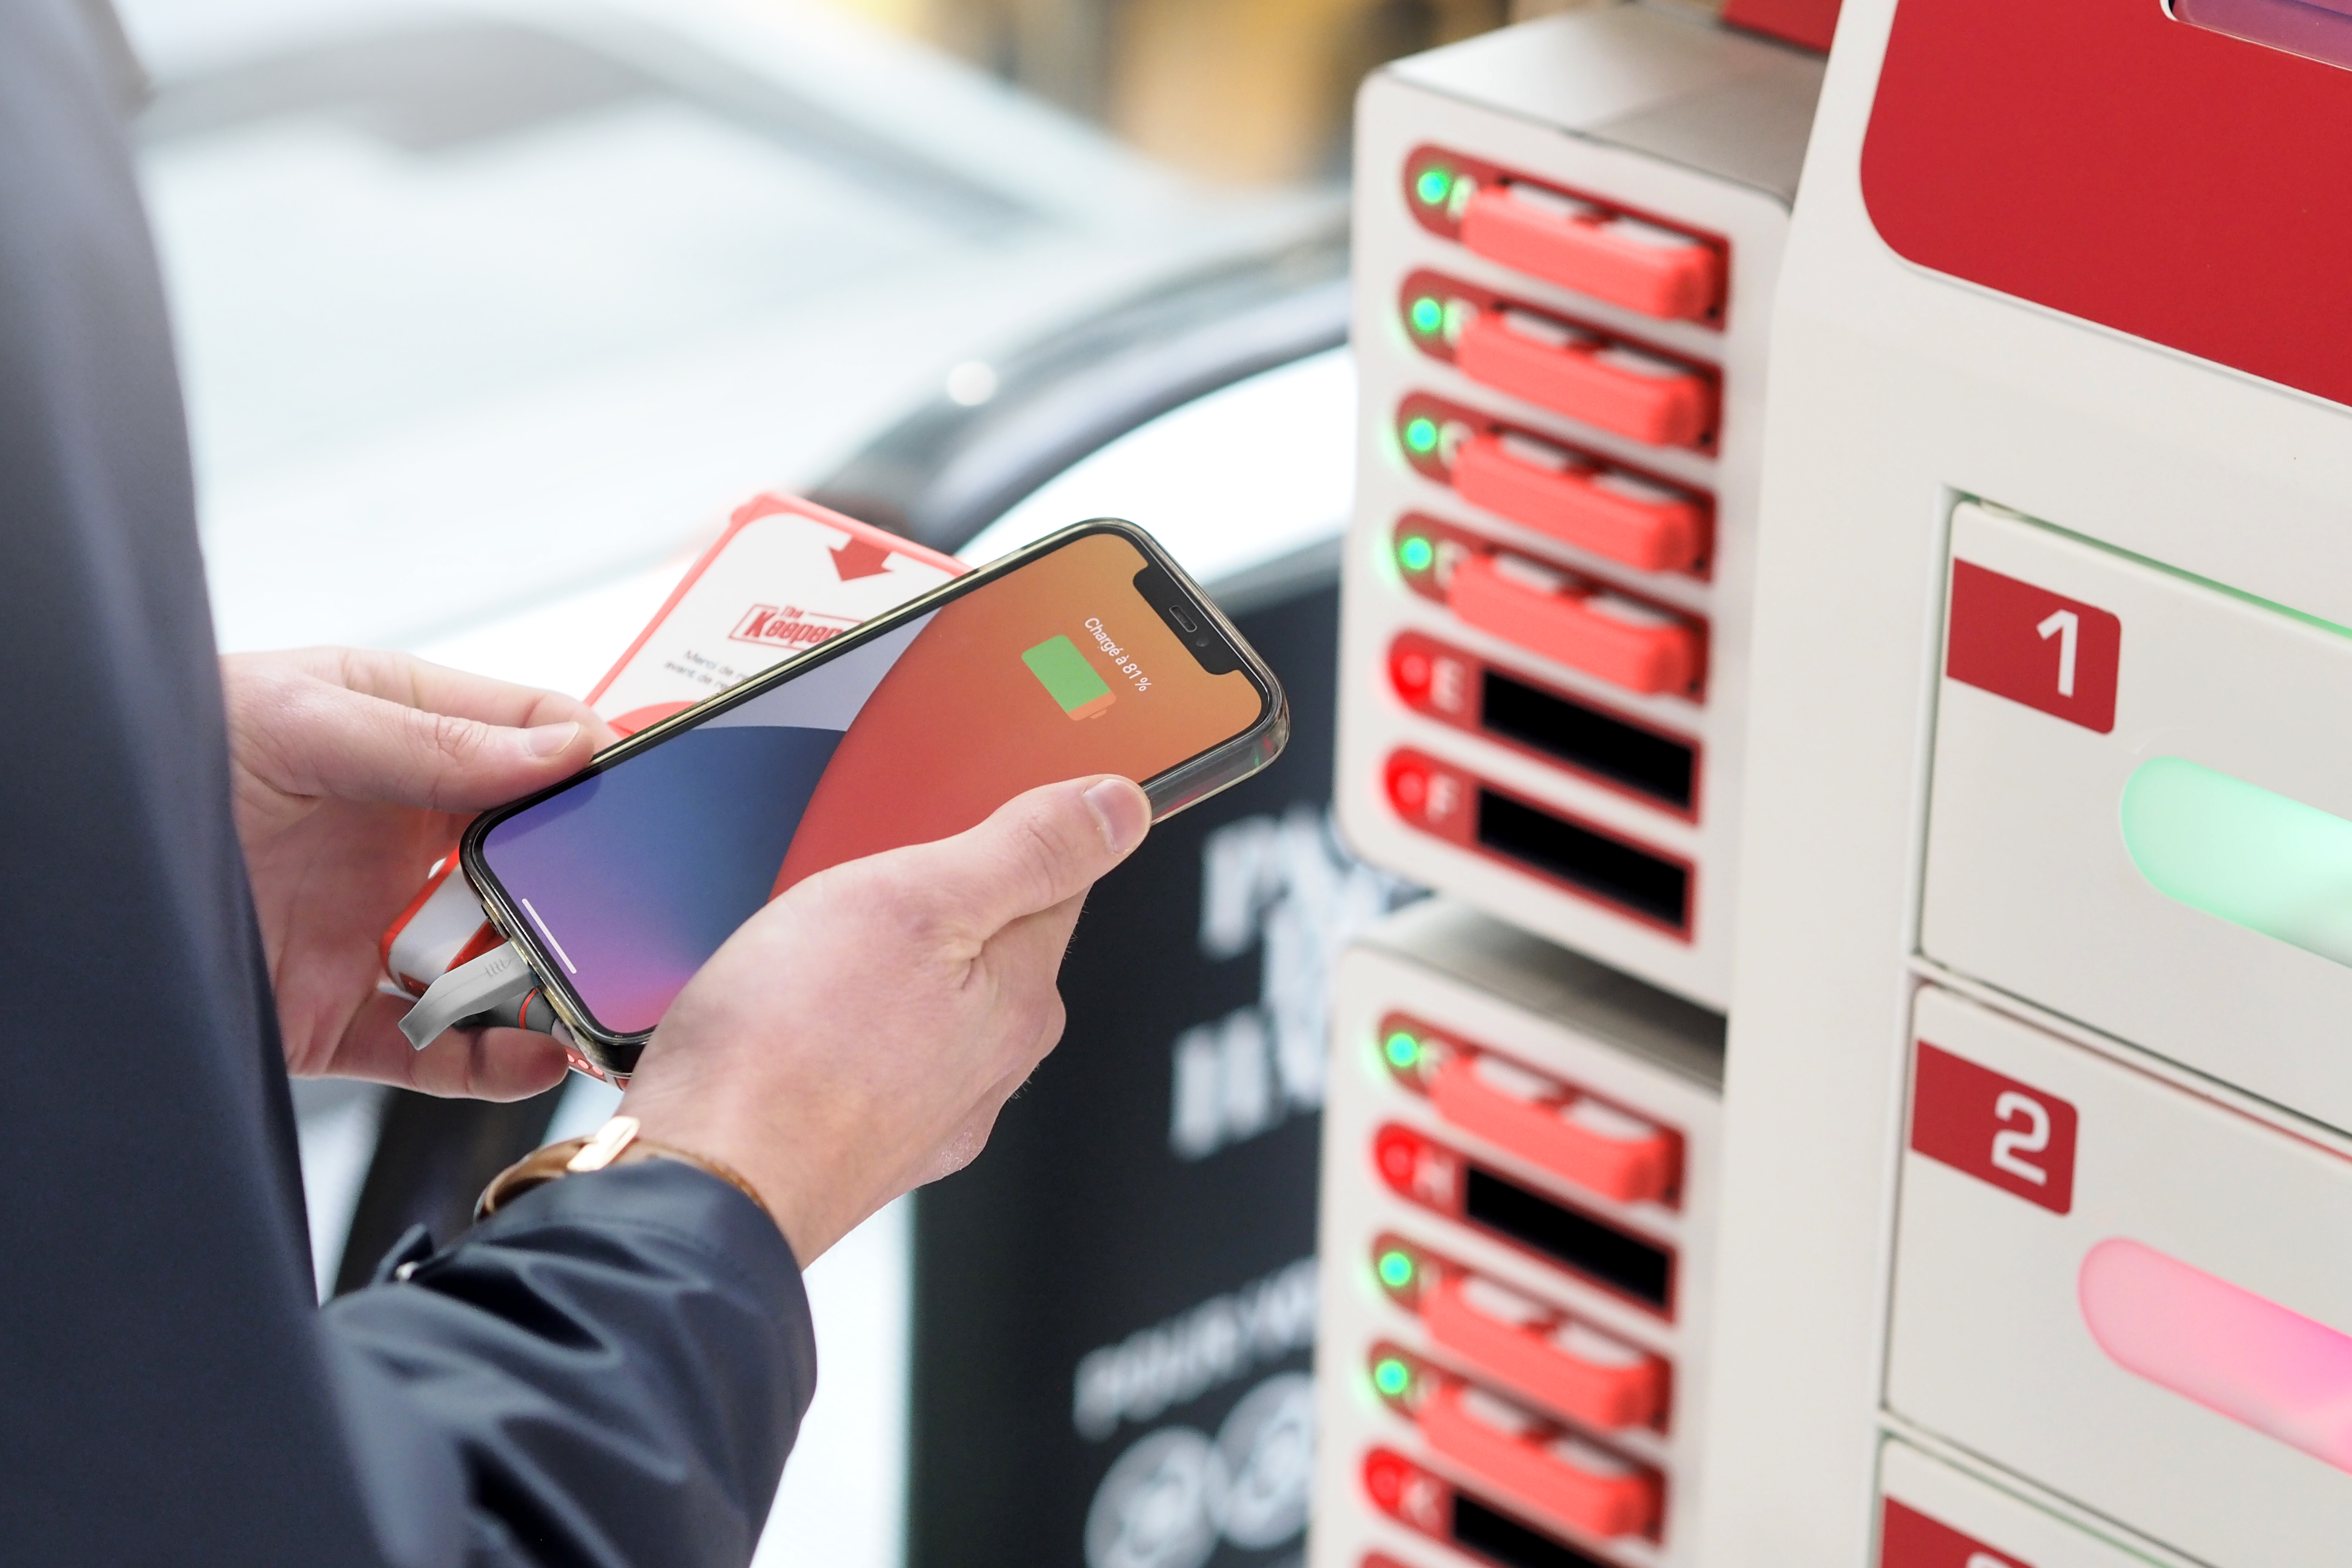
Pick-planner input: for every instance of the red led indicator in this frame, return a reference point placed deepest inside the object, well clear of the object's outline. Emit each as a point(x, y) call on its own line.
point(1397, 1156)
point(1408, 1493)
point(1410, 670)
point(1409, 787)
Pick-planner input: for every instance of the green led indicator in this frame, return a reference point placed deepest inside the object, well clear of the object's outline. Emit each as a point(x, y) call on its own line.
point(1434, 187)
point(2234, 849)
point(1428, 314)
point(1392, 1377)
point(1396, 1269)
point(1421, 435)
point(1415, 553)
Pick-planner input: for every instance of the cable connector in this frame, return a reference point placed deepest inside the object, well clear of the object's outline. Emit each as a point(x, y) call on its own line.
point(481, 986)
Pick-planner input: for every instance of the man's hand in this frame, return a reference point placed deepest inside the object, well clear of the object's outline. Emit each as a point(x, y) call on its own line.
point(351, 772)
point(858, 1036)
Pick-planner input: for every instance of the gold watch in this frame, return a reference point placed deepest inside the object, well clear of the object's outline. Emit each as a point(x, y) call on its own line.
point(615, 1143)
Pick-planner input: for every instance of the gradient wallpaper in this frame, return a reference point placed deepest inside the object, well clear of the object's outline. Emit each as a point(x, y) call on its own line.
point(634, 877)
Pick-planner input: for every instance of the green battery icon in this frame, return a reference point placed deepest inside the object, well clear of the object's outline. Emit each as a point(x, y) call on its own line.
point(1068, 677)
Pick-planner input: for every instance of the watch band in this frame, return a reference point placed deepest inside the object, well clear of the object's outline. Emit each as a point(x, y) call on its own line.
point(615, 1143)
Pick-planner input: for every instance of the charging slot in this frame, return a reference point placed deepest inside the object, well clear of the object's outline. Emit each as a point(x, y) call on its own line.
point(1648, 884)
point(1500, 1539)
point(1641, 1269)
point(1590, 739)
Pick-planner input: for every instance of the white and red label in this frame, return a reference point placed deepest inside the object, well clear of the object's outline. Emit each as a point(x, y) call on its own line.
point(2019, 1138)
point(784, 577)
point(787, 627)
point(2032, 646)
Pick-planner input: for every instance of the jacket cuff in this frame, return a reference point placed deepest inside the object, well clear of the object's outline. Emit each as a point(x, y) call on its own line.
point(669, 1196)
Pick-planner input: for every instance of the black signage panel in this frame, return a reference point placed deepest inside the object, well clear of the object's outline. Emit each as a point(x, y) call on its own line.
point(1114, 1306)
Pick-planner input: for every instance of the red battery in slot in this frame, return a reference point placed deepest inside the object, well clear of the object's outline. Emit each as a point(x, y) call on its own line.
point(1583, 372)
point(1566, 617)
point(1641, 265)
point(1648, 526)
point(1552, 1471)
point(1580, 1138)
point(1575, 621)
point(1567, 1365)
point(1582, 499)
point(1577, 239)
point(1585, 1373)
point(1638, 395)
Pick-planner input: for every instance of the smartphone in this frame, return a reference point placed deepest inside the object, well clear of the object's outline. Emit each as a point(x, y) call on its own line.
point(1090, 652)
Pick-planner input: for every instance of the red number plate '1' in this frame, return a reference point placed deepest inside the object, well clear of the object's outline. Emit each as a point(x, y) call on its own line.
point(1994, 1127)
point(2035, 647)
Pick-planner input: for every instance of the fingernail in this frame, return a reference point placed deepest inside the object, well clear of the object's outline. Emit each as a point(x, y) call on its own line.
point(1123, 811)
point(546, 740)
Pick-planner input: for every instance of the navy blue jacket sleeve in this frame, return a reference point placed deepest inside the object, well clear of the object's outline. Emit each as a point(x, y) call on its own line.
point(620, 1361)
point(610, 1373)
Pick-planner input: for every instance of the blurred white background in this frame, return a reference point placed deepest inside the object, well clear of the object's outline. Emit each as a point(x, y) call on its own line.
point(480, 301)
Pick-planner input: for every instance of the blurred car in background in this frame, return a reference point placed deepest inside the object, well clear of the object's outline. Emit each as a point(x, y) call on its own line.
point(486, 301)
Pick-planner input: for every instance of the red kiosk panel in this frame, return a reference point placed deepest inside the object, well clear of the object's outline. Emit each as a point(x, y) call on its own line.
point(2102, 158)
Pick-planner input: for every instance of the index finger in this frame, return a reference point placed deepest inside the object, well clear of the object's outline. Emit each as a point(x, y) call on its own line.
point(432, 688)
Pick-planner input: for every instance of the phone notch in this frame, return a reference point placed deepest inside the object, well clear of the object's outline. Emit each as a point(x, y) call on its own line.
point(1194, 627)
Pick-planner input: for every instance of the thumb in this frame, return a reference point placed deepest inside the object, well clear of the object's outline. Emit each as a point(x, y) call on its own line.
point(359, 747)
point(1037, 850)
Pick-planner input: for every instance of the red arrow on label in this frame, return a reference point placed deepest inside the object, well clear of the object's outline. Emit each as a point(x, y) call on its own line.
point(854, 557)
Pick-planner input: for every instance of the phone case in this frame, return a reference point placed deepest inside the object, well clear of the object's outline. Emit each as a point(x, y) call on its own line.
point(615, 1055)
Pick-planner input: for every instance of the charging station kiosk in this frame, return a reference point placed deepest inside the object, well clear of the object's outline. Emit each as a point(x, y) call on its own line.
point(1568, 239)
point(2036, 1160)
point(1520, 1177)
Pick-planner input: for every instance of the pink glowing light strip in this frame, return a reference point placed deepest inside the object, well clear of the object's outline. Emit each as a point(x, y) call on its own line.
point(2226, 1348)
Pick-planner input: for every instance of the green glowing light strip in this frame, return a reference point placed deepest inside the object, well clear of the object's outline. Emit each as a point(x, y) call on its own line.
point(2236, 851)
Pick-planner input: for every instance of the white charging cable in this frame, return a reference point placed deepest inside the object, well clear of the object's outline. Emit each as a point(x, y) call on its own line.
point(478, 985)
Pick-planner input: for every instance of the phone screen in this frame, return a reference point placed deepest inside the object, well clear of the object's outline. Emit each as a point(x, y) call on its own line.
point(631, 876)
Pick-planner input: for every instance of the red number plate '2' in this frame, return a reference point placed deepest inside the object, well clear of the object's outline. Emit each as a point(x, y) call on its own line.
point(1910, 1539)
point(1994, 1127)
point(2035, 647)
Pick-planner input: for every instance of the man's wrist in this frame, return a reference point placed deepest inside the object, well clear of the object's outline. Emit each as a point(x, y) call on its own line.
point(617, 1143)
point(788, 1168)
